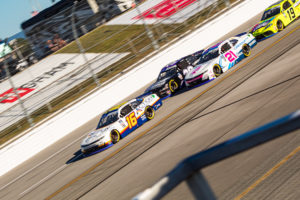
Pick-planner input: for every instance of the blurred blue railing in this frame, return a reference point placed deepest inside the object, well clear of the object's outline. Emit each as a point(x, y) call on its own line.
point(189, 169)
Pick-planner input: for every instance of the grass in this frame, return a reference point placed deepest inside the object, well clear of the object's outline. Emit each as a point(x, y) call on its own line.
point(108, 39)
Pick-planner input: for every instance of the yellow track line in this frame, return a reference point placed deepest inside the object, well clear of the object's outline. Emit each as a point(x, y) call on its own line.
point(217, 82)
point(266, 175)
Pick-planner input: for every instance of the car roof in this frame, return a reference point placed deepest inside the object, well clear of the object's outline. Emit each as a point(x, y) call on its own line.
point(116, 107)
point(278, 3)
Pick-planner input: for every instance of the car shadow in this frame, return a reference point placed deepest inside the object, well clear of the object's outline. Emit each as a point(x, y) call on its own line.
point(78, 155)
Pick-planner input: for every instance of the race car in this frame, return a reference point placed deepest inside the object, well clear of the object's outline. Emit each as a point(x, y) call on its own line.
point(275, 18)
point(171, 77)
point(119, 121)
point(220, 58)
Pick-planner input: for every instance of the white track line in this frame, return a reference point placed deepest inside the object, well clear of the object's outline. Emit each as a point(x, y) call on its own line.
point(11, 182)
point(43, 180)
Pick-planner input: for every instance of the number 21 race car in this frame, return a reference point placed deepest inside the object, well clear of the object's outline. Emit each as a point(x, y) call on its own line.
point(220, 58)
point(119, 121)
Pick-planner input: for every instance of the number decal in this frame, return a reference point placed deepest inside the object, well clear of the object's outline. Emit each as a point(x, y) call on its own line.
point(291, 13)
point(131, 120)
point(230, 56)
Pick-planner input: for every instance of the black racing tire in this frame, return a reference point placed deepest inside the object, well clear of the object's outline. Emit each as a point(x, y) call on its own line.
point(115, 136)
point(217, 70)
point(246, 50)
point(149, 112)
point(279, 25)
point(173, 85)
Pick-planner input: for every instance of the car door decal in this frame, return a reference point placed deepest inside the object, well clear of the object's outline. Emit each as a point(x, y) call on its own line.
point(230, 56)
point(131, 120)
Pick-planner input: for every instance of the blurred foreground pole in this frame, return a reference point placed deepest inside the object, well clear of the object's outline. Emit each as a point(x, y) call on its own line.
point(29, 119)
point(148, 30)
point(82, 51)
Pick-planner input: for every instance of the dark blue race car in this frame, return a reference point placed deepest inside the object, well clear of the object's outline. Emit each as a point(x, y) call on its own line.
point(171, 77)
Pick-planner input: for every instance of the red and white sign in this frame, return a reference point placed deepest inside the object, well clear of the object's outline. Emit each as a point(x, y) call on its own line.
point(165, 9)
point(10, 96)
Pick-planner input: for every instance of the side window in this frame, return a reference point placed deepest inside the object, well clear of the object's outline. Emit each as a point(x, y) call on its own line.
point(135, 104)
point(225, 47)
point(125, 110)
point(233, 42)
point(286, 5)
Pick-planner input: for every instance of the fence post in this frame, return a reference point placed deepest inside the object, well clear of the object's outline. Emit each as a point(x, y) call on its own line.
point(29, 119)
point(148, 30)
point(82, 51)
point(199, 187)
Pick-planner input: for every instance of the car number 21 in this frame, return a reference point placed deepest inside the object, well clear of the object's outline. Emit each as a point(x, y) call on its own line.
point(131, 120)
point(230, 56)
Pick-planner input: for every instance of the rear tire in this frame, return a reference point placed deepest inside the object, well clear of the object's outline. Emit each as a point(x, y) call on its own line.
point(246, 50)
point(149, 112)
point(279, 25)
point(217, 70)
point(115, 136)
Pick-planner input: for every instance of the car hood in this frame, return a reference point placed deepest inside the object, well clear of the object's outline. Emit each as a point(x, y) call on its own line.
point(158, 84)
point(95, 136)
point(199, 69)
point(262, 24)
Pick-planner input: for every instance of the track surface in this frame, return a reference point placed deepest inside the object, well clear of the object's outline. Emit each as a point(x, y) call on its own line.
point(265, 87)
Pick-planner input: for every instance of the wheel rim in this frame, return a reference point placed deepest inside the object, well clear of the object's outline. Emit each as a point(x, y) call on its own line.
point(279, 25)
point(114, 137)
point(246, 50)
point(217, 70)
point(149, 113)
point(173, 85)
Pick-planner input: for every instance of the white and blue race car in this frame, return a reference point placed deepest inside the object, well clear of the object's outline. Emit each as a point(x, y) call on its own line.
point(119, 121)
point(220, 58)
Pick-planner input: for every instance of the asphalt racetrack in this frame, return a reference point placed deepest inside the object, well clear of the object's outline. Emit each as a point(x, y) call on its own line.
point(259, 89)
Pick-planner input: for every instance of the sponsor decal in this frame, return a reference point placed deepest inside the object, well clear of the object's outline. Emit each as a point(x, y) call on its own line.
point(10, 97)
point(122, 123)
point(164, 9)
point(230, 56)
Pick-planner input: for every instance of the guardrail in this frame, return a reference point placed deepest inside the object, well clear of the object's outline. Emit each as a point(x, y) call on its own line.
point(189, 169)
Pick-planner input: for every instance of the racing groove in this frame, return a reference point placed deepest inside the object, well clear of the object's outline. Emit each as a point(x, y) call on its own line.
point(184, 114)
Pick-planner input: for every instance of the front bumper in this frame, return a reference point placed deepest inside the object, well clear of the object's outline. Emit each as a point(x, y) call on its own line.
point(86, 149)
point(261, 34)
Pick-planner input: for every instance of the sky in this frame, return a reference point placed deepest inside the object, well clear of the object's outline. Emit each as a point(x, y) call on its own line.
point(14, 12)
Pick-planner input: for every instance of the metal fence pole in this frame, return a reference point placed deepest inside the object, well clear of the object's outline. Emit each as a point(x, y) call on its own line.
point(29, 119)
point(82, 51)
point(199, 187)
point(148, 30)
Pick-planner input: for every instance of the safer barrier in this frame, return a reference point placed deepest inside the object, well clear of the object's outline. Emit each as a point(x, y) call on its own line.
point(189, 169)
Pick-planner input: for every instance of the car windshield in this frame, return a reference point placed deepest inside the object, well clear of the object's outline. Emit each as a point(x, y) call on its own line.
point(195, 57)
point(108, 118)
point(213, 53)
point(270, 13)
point(167, 73)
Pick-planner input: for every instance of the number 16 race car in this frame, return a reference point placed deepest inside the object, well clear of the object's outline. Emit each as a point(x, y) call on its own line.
point(119, 121)
point(220, 58)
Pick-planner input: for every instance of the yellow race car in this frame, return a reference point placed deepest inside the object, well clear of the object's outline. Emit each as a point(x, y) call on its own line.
point(276, 17)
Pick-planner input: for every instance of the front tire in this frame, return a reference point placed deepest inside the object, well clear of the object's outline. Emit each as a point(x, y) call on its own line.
point(217, 70)
point(149, 112)
point(173, 85)
point(246, 50)
point(115, 136)
point(279, 25)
